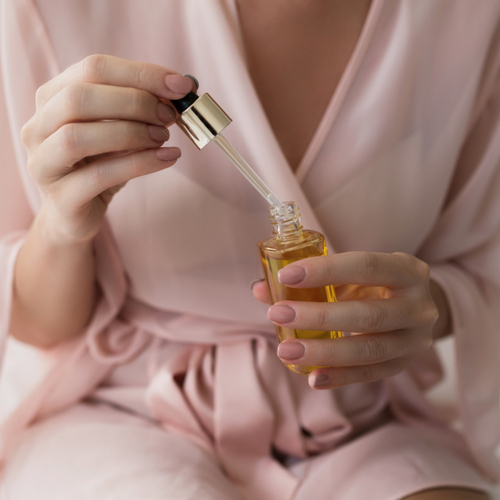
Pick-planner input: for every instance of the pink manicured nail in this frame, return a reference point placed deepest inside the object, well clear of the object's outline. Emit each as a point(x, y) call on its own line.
point(179, 84)
point(290, 275)
point(158, 134)
point(281, 314)
point(168, 154)
point(166, 113)
point(321, 379)
point(254, 282)
point(291, 350)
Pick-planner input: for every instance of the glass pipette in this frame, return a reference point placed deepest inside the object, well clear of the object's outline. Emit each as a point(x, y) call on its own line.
point(248, 172)
point(203, 120)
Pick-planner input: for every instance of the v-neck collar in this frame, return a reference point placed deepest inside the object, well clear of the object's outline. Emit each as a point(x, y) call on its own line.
point(338, 97)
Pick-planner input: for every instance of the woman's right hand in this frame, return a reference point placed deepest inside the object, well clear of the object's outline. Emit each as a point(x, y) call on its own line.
point(97, 125)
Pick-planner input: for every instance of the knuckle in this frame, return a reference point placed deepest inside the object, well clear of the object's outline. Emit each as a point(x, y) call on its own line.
point(69, 138)
point(424, 314)
point(130, 131)
point(430, 314)
point(57, 198)
point(93, 67)
point(372, 317)
point(369, 264)
point(339, 377)
point(140, 75)
point(365, 374)
point(38, 174)
point(41, 95)
point(420, 269)
point(373, 349)
point(33, 171)
point(96, 174)
point(136, 102)
point(330, 271)
point(75, 95)
point(64, 200)
point(423, 270)
point(27, 133)
point(406, 257)
point(321, 317)
point(135, 166)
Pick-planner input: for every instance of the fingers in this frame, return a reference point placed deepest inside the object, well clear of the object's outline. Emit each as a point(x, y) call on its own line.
point(97, 125)
point(356, 350)
point(260, 291)
point(56, 156)
point(110, 70)
point(332, 378)
point(397, 270)
point(82, 185)
point(363, 316)
point(90, 102)
point(385, 297)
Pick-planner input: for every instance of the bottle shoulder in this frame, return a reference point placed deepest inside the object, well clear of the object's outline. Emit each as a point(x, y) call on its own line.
point(310, 239)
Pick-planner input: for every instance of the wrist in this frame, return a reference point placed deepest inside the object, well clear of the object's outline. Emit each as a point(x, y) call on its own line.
point(54, 287)
point(53, 232)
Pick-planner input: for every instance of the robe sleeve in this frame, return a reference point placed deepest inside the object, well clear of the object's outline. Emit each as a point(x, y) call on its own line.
point(59, 376)
point(15, 212)
point(463, 252)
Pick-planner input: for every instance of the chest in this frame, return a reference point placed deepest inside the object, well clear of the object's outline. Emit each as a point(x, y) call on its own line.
point(296, 54)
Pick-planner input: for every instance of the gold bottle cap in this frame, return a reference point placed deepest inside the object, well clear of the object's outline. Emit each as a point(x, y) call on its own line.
point(203, 121)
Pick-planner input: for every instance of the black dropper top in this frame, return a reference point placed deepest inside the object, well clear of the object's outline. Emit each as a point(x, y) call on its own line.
point(184, 102)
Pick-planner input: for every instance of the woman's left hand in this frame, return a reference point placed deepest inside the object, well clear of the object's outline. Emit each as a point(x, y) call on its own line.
point(384, 297)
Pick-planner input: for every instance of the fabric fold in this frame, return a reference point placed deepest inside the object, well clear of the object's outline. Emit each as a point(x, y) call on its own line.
point(244, 437)
point(477, 351)
point(9, 248)
point(69, 370)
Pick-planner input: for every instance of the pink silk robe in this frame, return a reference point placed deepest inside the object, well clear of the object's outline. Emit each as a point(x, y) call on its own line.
point(406, 158)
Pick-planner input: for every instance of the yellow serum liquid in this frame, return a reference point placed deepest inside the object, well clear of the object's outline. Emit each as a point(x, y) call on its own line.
point(278, 252)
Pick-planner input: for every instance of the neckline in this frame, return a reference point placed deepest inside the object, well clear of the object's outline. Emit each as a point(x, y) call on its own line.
point(340, 93)
point(336, 100)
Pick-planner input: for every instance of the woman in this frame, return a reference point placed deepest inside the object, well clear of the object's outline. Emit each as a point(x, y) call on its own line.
point(156, 372)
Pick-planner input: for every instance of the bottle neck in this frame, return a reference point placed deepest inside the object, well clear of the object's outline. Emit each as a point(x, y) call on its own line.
point(286, 222)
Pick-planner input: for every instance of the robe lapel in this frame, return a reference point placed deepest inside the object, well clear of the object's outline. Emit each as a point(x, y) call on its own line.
point(219, 40)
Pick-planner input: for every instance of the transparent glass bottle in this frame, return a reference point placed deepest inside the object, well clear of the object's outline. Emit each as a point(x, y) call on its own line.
point(290, 243)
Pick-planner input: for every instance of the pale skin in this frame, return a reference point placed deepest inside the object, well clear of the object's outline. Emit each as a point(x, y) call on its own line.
point(72, 158)
point(78, 161)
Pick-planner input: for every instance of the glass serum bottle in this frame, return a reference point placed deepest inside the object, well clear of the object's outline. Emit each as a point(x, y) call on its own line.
point(290, 243)
point(203, 121)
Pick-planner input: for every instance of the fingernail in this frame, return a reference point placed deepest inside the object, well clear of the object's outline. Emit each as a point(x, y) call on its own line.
point(168, 154)
point(321, 379)
point(158, 134)
point(291, 350)
point(281, 314)
point(179, 84)
point(166, 113)
point(290, 275)
point(254, 282)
